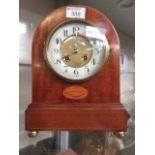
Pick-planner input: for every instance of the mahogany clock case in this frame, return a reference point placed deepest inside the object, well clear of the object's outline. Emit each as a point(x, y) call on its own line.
point(100, 109)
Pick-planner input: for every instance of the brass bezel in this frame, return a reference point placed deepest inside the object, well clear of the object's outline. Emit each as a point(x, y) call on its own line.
point(107, 47)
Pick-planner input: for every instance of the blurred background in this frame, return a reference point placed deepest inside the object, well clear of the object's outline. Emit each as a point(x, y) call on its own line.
point(122, 15)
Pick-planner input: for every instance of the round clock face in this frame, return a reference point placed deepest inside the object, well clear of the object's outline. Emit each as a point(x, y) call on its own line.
point(76, 50)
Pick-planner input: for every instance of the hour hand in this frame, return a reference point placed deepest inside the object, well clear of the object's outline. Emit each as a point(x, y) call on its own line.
point(66, 57)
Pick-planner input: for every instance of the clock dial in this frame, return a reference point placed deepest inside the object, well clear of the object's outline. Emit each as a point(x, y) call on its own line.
point(72, 54)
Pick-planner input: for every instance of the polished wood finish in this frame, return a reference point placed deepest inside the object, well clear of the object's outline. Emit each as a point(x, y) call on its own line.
point(85, 117)
point(99, 110)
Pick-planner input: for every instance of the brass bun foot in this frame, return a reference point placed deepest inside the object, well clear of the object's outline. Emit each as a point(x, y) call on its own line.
point(32, 134)
point(119, 134)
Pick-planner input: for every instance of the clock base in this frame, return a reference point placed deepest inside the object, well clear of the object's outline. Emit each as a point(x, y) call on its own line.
point(86, 117)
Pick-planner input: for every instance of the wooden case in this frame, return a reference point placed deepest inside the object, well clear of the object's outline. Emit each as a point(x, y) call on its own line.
point(100, 110)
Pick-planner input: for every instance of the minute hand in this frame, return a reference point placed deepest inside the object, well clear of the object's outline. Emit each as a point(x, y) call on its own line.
point(67, 56)
point(75, 52)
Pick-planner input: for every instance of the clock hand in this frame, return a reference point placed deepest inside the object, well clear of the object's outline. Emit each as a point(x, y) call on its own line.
point(66, 57)
point(75, 52)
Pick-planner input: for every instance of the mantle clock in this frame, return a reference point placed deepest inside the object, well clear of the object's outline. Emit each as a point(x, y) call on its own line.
point(76, 73)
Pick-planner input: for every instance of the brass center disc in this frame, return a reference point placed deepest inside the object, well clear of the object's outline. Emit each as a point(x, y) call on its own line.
point(76, 51)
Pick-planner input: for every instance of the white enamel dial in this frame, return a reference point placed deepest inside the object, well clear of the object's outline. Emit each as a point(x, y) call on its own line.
point(72, 54)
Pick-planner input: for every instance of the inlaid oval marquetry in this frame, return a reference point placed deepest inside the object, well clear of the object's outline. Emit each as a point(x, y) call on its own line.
point(75, 92)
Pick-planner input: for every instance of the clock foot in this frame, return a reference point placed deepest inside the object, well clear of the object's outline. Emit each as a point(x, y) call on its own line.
point(32, 134)
point(119, 134)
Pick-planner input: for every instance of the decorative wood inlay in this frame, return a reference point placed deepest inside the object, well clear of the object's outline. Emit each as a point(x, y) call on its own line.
point(75, 92)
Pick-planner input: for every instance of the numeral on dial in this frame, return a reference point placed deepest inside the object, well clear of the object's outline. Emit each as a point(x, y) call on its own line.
point(87, 69)
point(58, 61)
point(76, 30)
point(55, 51)
point(65, 32)
point(66, 69)
point(94, 61)
point(58, 40)
point(97, 51)
point(76, 72)
point(93, 41)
